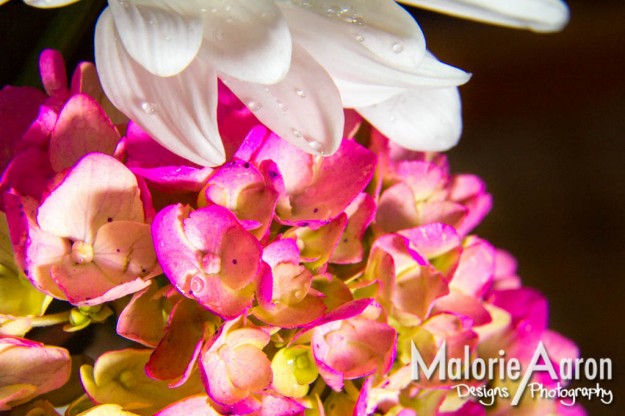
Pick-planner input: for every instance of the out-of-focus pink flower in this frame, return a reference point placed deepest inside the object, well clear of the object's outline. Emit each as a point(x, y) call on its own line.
point(28, 369)
point(88, 241)
point(208, 256)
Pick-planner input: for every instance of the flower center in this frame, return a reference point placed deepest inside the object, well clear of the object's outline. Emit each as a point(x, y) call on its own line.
point(81, 252)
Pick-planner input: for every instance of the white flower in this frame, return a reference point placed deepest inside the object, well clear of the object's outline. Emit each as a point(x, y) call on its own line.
point(295, 63)
point(45, 4)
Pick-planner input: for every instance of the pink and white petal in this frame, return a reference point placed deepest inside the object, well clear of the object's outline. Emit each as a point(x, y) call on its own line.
point(397, 209)
point(309, 310)
point(424, 119)
point(432, 240)
point(162, 36)
point(277, 405)
point(476, 268)
point(281, 251)
point(228, 250)
point(537, 15)
point(304, 108)
point(35, 250)
point(239, 34)
point(99, 189)
point(218, 384)
point(464, 305)
point(176, 255)
point(179, 112)
point(124, 247)
point(28, 362)
point(338, 180)
point(82, 128)
point(239, 360)
point(197, 405)
point(87, 284)
point(142, 319)
point(379, 31)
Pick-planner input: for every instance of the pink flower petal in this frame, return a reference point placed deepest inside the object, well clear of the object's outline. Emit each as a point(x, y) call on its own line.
point(82, 128)
point(99, 189)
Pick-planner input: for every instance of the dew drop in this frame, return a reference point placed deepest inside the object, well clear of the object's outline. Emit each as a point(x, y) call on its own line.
point(392, 118)
point(360, 38)
point(300, 92)
point(296, 133)
point(397, 48)
point(254, 105)
point(283, 107)
point(358, 21)
point(316, 146)
point(152, 22)
point(148, 108)
point(218, 34)
point(197, 284)
point(167, 38)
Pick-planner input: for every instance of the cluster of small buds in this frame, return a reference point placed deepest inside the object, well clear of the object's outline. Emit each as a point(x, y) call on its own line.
point(279, 283)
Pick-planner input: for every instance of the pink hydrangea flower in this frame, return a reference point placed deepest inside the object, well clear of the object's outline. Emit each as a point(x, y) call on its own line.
point(209, 256)
point(87, 242)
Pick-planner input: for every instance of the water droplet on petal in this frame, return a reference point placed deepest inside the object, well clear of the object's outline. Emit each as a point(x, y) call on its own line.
point(283, 107)
point(152, 22)
point(296, 133)
point(148, 108)
point(218, 34)
point(360, 38)
point(254, 105)
point(392, 118)
point(316, 146)
point(167, 38)
point(197, 284)
point(300, 92)
point(397, 47)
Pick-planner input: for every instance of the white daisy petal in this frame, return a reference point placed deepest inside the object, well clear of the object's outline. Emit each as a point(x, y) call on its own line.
point(360, 32)
point(47, 4)
point(431, 73)
point(427, 119)
point(179, 112)
point(369, 59)
point(163, 36)
point(537, 15)
point(304, 108)
point(246, 39)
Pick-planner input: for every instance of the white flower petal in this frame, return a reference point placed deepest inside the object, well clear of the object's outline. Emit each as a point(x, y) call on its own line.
point(363, 52)
point(304, 108)
point(163, 36)
point(427, 119)
point(179, 112)
point(537, 15)
point(47, 4)
point(357, 32)
point(430, 73)
point(248, 40)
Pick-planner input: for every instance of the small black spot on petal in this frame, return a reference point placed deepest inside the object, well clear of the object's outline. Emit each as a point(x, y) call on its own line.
point(109, 219)
point(246, 165)
point(234, 261)
point(316, 210)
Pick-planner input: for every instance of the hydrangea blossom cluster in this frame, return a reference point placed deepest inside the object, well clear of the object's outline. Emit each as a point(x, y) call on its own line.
point(278, 283)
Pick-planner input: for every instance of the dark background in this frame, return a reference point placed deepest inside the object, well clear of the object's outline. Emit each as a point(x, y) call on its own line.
point(544, 125)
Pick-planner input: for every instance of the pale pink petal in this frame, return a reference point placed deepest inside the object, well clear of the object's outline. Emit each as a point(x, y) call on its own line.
point(99, 189)
point(82, 128)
